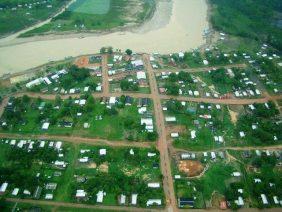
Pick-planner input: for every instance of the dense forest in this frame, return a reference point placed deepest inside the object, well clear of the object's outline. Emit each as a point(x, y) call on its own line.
point(255, 19)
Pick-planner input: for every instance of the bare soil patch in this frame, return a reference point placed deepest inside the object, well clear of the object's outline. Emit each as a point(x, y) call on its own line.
point(104, 167)
point(92, 165)
point(82, 62)
point(190, 167)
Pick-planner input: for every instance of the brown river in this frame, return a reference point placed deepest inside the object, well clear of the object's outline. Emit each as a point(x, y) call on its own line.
point(177, 25)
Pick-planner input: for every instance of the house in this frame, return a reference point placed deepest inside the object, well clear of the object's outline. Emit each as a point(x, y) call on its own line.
point(141, 75)
point(185, 156)
point(153, 185)
point(51, 186)
point(122, 199)
point(83, 160)
point(242, 134)
point(137, 64)
point(174, 135)
point(145, 102)
point(170, 119)
point(80, 194)
point(100, 196)
point(182, 202)
point(128, 100)
point(275, 200)
point(151, 202)
point(257, 180)
point(15, 191)
point(193, 134)
point(47, 81)
point(236, 174)
point(45, 126)
point(3, 188)
point(58, 145)
point(150, 154)
point(49, 196)
point(264, 199)
point(112, 100)
point(34, 82)
point(134, 199)
point(102, 152)
point(213, 155)
point(61, 164)
point(42, 144)
point(239, 201)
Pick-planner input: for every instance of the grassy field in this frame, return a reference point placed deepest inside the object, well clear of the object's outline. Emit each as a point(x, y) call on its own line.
point(205, 132)
point(14, 18)
point(97, 15)
point(97, 7)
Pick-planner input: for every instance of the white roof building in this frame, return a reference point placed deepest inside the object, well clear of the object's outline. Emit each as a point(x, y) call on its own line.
point(102, 151)
point(122, 199)
point(174, 135)
point(112, 100)
point(34, 82)
point(80, 194)
point(240, 201)
point(49, 196)
point(100, 197)
point(242, 134)
point(151, 154)
point(134, 199)
point(141, 75)
point(170, 119)
point(154, 202)
point(264, 199)
point(3, 187)
point(153, 185)
point(15, 191)
point(236, 174)
point(45, 126)
point(136, 63)
point(193, 134)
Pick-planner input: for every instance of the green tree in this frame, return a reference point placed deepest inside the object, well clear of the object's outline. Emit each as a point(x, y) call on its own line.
point(128, 52)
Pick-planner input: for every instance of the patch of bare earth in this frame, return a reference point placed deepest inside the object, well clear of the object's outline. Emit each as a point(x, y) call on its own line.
point(190, 167)
point(104, 167)
point(92, 166)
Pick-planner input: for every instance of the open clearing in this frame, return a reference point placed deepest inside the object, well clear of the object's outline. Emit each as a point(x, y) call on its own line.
point(90, 6)
point(190, 167)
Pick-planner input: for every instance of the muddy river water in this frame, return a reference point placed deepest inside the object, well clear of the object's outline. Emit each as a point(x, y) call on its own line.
point(177, 25)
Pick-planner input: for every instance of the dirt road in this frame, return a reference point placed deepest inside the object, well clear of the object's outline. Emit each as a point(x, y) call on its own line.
point(78, 205)
point(234, 101)
point(239, 148)
point(105, 76)
point(202, 69)
point(162, 142)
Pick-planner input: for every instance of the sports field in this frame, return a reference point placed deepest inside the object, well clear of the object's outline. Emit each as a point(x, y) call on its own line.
point(97, 7)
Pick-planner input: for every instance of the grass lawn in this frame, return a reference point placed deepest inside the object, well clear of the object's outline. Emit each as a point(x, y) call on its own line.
point(102, 124)
point(91, 7)
point(205, 131)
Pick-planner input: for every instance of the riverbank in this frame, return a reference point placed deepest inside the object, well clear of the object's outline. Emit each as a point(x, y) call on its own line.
point(181, 32)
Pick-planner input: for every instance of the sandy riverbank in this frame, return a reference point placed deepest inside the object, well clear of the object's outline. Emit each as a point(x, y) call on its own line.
point(176, 26)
